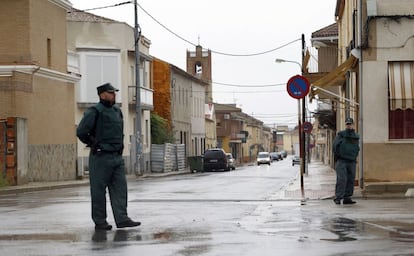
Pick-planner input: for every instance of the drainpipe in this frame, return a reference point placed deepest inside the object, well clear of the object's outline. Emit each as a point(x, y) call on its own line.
point(360, 81)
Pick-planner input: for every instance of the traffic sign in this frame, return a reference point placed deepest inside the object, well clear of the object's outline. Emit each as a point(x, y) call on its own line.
point(307, 127)
point(298, 87)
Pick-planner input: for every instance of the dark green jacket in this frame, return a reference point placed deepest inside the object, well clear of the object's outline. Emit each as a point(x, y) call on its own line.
point(346, 145)
point(101, 128)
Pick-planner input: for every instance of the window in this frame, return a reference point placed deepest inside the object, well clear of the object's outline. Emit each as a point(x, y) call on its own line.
point(401, 100)
point(198, 68)
point(98, 68)
point(49, 52)
point(147, 135)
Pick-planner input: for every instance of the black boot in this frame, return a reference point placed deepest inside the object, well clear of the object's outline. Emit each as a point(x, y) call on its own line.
point(337, 201)
point(103, 226)
point(128, 224)
point(348, 201)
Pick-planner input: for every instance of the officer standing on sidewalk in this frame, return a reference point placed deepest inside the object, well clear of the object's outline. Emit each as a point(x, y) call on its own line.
point(345, 149)
point(101, 129)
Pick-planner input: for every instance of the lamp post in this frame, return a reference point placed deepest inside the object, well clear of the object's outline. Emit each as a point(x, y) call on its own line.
point(301, 131)
point(291, 61)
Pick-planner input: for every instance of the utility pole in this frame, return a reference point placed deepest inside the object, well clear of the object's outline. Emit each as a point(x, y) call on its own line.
point(137, 34)
point(303, 137)
point(301, 119)
point(302, 132)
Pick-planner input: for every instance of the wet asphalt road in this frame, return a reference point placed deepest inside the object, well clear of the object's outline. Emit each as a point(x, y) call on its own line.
point(223, 213)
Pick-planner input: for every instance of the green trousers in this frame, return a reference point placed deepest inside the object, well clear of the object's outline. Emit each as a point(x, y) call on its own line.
point(107, 171)
point(345, 176)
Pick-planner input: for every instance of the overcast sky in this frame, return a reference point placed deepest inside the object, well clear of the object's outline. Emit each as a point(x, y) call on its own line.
point(229, 28)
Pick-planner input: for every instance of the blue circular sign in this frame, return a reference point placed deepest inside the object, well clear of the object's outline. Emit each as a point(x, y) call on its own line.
point(298, 87)
point(307, 127)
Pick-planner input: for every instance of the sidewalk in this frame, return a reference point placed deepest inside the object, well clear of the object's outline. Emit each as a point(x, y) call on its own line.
point(319, 183)
point(40, 186)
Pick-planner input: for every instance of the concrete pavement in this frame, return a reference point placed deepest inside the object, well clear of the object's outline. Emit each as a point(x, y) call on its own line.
point(319, 183)
point(281, 224)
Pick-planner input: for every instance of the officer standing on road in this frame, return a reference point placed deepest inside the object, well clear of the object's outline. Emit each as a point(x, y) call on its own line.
point(101, 129)
point(345, 149)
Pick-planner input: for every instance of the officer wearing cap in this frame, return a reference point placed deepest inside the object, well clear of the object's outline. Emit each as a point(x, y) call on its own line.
point(345, 149)
point(101, 129)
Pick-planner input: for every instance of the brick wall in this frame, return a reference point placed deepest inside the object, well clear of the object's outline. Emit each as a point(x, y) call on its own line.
point(14, 42)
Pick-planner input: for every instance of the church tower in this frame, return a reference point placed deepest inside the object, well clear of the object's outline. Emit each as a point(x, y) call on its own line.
point(199, 65)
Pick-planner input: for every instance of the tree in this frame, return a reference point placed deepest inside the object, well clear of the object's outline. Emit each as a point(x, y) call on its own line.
point(160, 132)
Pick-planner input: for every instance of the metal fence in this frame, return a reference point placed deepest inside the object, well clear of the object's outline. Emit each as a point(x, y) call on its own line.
point(167, 157)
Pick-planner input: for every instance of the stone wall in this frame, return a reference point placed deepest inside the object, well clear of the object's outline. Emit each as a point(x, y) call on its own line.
point(52, 162)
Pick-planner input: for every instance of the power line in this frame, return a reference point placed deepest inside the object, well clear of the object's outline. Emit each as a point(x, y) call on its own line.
point(102, 7)
point(249, 85)
point(214, 51)
point(238, 92)
point(186, 40)
point(232, 92)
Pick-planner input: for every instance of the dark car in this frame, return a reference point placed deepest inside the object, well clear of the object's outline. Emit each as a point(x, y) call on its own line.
point(275, 156)
point(215, 159)
point(281, 155)
point(295, 160)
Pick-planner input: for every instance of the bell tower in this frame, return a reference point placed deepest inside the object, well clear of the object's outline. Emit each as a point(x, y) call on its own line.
point(199, 65)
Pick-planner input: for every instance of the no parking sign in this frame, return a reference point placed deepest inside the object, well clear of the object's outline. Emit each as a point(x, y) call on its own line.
point(298, 87)
point(307, 127)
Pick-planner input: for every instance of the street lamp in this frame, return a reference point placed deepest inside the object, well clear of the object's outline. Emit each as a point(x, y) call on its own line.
point(301, 132)
point(291, 61)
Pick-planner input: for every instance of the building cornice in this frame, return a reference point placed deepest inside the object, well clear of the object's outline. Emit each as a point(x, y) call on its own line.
point(7, 70)
point(63, 4)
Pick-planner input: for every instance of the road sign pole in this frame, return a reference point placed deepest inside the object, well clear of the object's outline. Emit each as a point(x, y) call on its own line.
point(300, 150)
point(302, 145)
point(298, 87)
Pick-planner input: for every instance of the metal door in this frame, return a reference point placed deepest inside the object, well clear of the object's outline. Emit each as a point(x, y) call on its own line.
point(3, 148)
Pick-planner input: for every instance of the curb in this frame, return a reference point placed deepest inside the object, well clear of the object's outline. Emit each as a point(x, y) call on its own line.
point(43, 186)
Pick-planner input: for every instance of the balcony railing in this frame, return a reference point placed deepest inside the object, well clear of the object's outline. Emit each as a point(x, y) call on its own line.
point(146, 97)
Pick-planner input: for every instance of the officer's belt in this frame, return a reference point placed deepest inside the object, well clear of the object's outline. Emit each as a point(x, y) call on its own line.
point(107, 151)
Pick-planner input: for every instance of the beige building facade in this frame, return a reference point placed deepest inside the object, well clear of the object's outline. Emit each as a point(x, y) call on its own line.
point(381, 35)
point(102, 50)
point(36, 87)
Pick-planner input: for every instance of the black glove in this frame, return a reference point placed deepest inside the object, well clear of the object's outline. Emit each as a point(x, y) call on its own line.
point(93, 144)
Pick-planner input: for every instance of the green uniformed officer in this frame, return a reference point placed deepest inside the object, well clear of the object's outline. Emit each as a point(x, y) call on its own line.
point(101, 129)
point(345, 149)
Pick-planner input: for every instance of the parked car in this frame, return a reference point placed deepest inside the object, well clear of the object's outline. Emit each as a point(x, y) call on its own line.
point(275, 156)
point(284, 153)
point(281, 155)
point(263, 158)
point(295, 160)
point(231, 161)
point(215, 159)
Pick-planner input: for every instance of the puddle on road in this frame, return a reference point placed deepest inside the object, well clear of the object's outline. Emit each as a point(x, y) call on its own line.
point(120, 235)
point(398, 231)
point(47, 237)
point(350, 230)
point(109, 241)
point(344, 228)
point(133, 235)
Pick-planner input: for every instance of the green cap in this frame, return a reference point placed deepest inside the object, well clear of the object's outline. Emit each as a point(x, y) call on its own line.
point(106, 88)
point(349, 120)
